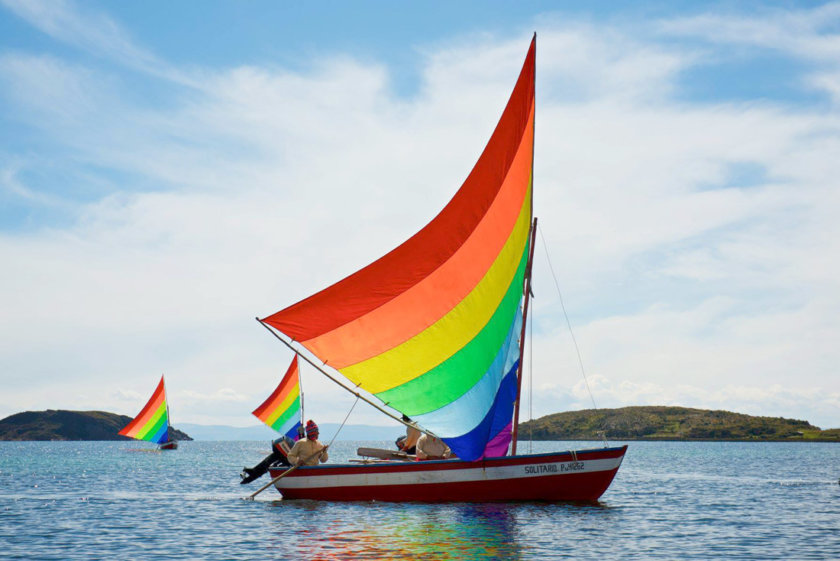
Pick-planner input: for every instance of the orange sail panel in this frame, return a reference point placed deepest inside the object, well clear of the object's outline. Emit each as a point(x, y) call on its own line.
point(152, 423)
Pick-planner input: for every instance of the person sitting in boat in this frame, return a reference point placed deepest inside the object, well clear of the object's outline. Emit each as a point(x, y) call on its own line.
point(279, 450)
point(432, 448)
point(305, 452)
point(408, 443)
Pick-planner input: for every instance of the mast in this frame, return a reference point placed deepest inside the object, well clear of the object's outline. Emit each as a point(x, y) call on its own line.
point(522, 336)
point(533, 237)
point(168, 417)
point(300, 386)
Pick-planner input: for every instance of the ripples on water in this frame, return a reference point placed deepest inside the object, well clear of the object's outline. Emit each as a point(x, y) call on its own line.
point(119, 500)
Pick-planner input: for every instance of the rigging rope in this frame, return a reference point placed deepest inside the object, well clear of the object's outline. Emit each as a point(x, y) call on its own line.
point(344, 421)
point(569, 324)
point(325, 373)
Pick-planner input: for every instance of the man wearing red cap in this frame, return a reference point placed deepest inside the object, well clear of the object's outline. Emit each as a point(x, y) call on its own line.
point(305, 451)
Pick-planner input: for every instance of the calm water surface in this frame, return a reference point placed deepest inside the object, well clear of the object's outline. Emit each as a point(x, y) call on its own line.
point(670, 500)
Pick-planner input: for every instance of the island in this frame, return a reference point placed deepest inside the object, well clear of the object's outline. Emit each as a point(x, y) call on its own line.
point(55, 424)
point(670, 423)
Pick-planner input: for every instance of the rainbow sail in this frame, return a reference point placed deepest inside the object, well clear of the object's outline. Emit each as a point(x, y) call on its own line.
point(432, 328)
point(152, 423)
point(281, 411)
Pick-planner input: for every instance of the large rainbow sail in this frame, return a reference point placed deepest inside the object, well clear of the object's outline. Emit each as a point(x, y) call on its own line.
point(281, 411)
point(152, 423)
point(432, 328)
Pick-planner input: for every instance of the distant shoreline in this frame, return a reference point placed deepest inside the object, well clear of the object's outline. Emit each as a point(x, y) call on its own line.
point(627, 424)
point(672, 424)
point(59, 425)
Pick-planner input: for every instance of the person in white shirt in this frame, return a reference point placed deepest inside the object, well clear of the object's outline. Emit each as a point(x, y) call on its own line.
point(432, 448)
point(305, 451)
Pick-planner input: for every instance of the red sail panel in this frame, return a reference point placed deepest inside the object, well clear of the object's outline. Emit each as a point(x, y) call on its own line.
point(433, 297)
point(434, 245)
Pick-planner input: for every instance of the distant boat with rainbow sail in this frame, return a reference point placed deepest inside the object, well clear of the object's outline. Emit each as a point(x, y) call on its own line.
point(434, 330)
point(152, 423)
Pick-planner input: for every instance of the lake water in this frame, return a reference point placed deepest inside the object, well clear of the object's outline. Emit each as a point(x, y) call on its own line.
point(670, 500)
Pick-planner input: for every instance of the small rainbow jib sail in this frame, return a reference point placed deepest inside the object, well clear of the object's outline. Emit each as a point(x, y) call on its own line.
point(433, 328)
point(152, 423)
point(281, 411)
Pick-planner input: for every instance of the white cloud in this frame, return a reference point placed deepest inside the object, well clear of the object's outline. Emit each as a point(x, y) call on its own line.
point(775, 400)
point(776, 362)
point(256, 186)
point(807, 34)
point(93, 32)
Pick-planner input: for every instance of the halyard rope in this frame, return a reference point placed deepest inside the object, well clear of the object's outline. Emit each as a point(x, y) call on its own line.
point(569, 324)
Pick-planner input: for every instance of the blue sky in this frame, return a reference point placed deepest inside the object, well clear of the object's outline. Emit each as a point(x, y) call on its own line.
point(170, 171)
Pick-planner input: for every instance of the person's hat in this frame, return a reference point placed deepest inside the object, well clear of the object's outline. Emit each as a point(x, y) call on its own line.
point(311, 428)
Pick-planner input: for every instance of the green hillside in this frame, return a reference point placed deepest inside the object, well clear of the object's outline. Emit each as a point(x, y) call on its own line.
point(669, 423)
point(67, 425)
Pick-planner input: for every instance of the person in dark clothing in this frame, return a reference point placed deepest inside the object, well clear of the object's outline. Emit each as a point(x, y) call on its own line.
point(279, 450)
point(408, 442)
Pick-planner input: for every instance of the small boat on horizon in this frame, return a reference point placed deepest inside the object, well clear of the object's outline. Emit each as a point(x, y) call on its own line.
point(152, 423)
point(435, 331)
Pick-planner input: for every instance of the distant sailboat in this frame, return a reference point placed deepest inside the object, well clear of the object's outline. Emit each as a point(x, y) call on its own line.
point(435, 331)
point(152, 423)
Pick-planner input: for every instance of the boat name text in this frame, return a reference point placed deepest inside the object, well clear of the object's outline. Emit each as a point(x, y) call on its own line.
point(554, 468)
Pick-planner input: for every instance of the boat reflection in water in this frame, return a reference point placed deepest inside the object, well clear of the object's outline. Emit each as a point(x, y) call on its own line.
point(408, 531)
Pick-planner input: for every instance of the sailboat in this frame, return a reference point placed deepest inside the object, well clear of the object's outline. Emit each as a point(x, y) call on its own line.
point(434, 330)
point(152, 423)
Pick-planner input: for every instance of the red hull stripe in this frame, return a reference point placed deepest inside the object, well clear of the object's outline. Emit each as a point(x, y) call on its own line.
point(567, 487)
point(583, 475)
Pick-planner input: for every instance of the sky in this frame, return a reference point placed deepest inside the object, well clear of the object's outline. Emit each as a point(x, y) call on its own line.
point(170, 171)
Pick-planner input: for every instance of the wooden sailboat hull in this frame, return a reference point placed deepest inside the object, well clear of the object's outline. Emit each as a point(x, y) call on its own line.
point(565, 476)
point(171, 445)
